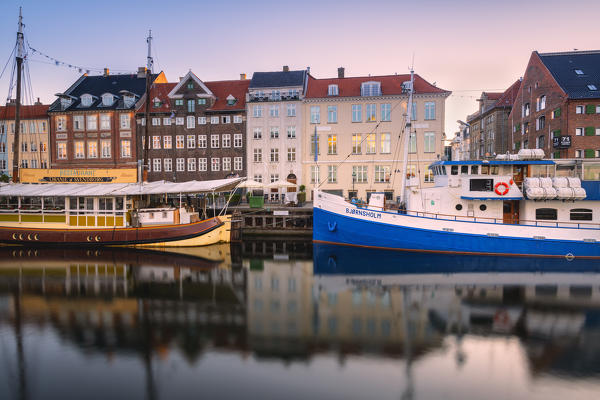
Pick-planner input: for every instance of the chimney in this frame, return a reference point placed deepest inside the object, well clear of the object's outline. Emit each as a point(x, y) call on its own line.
point(340, 72)
point(308, 70)
point(141, 72)
point(286, 68)
point(106, 72)
point(242, 77)
point(11, 102)
point(38, 102)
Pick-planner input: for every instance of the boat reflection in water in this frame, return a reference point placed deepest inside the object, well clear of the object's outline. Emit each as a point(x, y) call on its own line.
point(275, 319)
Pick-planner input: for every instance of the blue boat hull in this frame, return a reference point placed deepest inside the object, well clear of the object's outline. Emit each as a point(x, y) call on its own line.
point(333, 228)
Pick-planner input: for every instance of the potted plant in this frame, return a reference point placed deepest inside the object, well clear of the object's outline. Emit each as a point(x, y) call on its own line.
point(301, 195)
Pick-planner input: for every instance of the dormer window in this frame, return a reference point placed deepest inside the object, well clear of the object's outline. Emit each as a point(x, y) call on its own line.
point(65, 102)
point(157, 102)
point(231, 100)
point(592, 87)
point(333, 90)
point(370, 89)
point(86, 100)
point(276, 95)
point(128, 100)
point(190, 85)
point(579, 72)
point(107, 99)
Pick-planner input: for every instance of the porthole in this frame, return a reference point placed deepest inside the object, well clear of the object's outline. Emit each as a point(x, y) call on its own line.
point(483, 207)
point(459, 207)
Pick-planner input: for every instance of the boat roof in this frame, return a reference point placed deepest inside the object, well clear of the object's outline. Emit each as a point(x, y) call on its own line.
point(494, 162)
point(116, 189)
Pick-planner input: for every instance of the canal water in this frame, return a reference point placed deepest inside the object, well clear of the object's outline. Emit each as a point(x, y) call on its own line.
point(286, 320)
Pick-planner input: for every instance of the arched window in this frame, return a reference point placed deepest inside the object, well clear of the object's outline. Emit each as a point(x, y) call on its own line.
point(291, 178)
point(86, 100)
point(107, 99)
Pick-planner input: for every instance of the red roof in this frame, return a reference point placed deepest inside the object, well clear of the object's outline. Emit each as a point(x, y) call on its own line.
point(160, 91)
point(509, 96)
point(27, 112)
point(350, 87)
point(222, 89)
point(492, 95)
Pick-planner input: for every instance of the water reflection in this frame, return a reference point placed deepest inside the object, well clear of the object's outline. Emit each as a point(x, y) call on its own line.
point(344, 323)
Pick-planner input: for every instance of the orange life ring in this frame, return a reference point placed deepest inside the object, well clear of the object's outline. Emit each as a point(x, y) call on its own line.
point(497, 188)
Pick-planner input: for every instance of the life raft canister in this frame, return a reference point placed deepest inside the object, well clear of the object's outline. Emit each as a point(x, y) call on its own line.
point(500, 192)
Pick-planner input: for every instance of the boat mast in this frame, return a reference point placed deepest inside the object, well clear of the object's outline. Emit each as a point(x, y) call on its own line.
point(407, 129)
point(19, 59)
point(146, 144)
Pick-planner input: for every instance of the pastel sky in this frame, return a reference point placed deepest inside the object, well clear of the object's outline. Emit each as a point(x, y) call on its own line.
point(465, 46)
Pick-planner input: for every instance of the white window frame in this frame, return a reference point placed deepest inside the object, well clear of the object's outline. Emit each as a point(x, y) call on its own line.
point(238, 163)
point(226, 140)
point(215, 164)
point(214, 141)
point(238, 140)
point(203, 164)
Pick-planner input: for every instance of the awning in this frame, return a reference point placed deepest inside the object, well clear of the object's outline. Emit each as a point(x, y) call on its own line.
point(116, 189)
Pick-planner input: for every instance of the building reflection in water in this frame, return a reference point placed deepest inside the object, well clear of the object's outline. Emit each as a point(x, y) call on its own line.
point(277, 301)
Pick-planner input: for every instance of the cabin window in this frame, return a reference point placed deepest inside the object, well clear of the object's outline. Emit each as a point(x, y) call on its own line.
point(454, 170)
point(546, 214)
point(485, 170)
point(474, 169)
point(495, 169)
point(464, 170)
point(483, 207)
point(105, 203)
point(481, 185)
point(581, 214)
point(458, 207)
point(31, 203)
point(54, 203)
point(119, 203)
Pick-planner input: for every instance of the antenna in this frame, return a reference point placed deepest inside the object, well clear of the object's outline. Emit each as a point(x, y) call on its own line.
point(150, 62)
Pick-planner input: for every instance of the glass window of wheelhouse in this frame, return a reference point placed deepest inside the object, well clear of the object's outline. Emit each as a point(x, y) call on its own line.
point(546, 214)
point(581, 214)
point(54, 203)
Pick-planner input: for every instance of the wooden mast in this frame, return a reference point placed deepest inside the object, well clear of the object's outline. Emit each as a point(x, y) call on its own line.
point(146, 142)
point(19, 58)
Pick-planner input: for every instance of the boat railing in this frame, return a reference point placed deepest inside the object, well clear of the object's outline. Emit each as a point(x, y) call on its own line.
point(489, 220)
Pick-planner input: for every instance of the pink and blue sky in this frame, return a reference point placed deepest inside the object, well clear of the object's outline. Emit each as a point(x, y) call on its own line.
point(465, 46)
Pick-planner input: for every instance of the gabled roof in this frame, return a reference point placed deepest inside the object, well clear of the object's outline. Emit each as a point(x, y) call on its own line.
point(562, 66)
point(508, 97)
point(222, 89)
point(277, 79)
point(189, 75)
point(161, 92)
point(36, 111)
point(350, 87)
point(99, 85)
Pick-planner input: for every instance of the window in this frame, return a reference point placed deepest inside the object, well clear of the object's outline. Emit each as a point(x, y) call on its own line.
point(332, 114)
point(214, 120)
point(238, 140)
point(581, 214)
point(382, 173)
point(92, 122)
point(371, 110)
point(167, 142)
point(578, 153)
point(156, 142)
point(104, 121)
point(386, 143)
point(274, 177)
point(356, 113)
point(413, 111)
point(370, 89)
point(179, 142)
point(33, 164)
point(77, 123)
point(540, 103)
point(237, 163)
point(105, 148)
point(546, 214)
point(43, 130)
point(274, 132)
point(125, 148)
point(86, 100)
point(168, 164)
point(429, 142)
point(24, 163)
point(167, 121)
point(360, 173)
point(202, 164)
point(291, 110)
point(257, 155)
point(257, 111)
point(579, 109)
point(412, 143)
point(540, 123)
point(356, 143)
point(592, 87)
point(331, 174)
point(179, 120)
point(226, 163)
point(191, 122)
point(191, 164)
point(332, 90)
point(371, 143)
point(314, 145)
point(579, 72)
point(275, 95)
point(155, 121)
point(201, 102)
point(274, 111)
point(214, 141)
point(274, 155)
point(92, 149)
point(315, 114)
point(237, 119)
point(332, 144)
point(291, 132)
point(191, 106)
point(525, 110)
point(24, 147)
point(32, 127)
point(227, 140)
point(258, 178)
point(429, 110)
point(61, 150)
point(156, 164)
point(314, 174)
point(579, 131)
point(429, 176)
point(386, 112)
point(79, 149)
point(191, 141)
point(540, 142)
point(201, 120)
point(257, 133)
point(226, 119)
point(180, 164)
point(215, 164)
point(291, 154)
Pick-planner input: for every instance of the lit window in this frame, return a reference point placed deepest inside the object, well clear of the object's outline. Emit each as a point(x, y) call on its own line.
point(179, 142)
point(386, 144)
point(78, 146)
point(332, 144)
point(371, 112)
point(125, 148)
point(371, 143)
point(356, 143)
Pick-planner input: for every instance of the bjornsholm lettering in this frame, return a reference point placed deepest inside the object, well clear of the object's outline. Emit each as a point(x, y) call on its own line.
point(364, 213)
